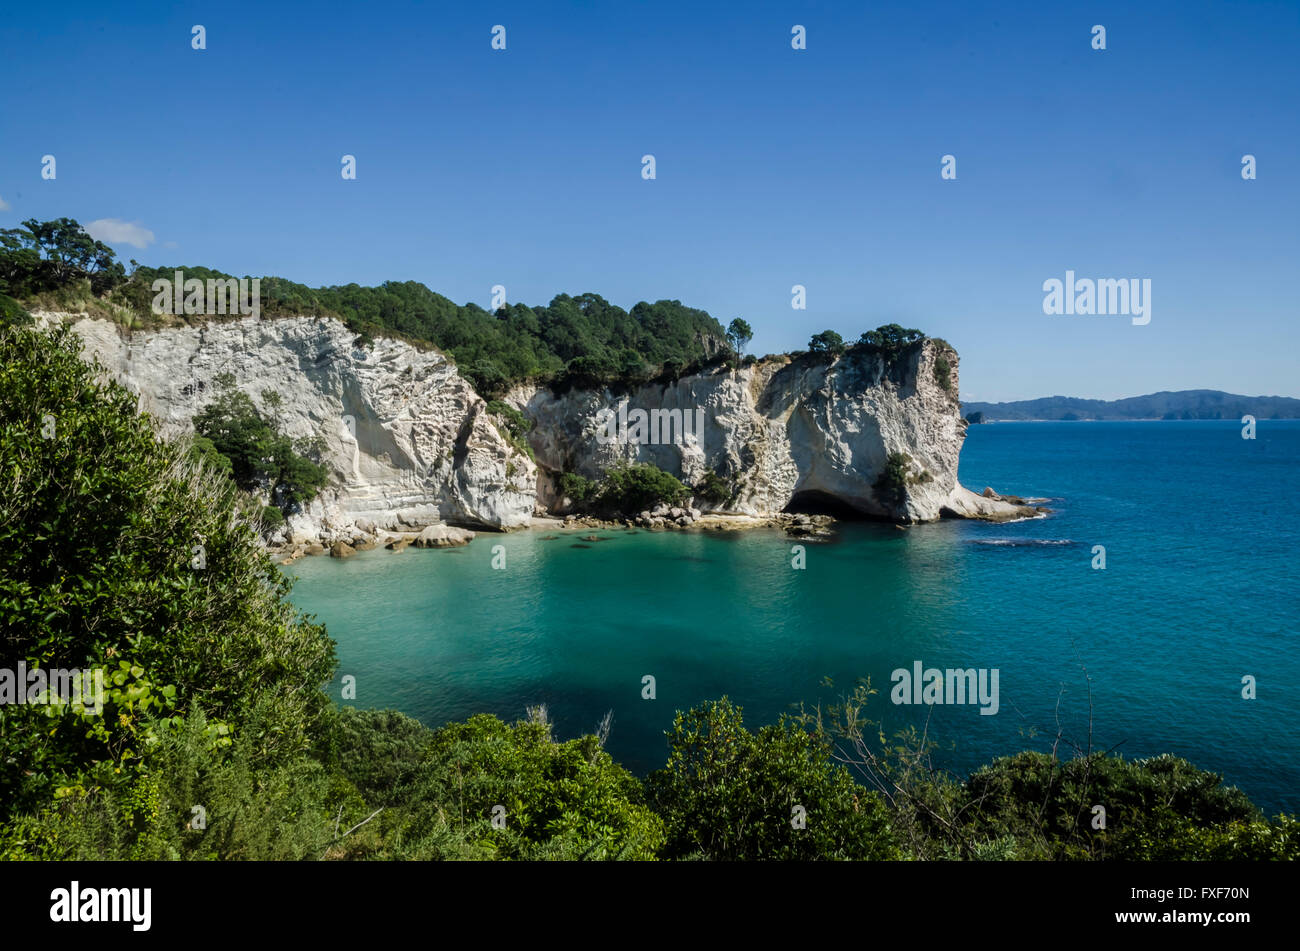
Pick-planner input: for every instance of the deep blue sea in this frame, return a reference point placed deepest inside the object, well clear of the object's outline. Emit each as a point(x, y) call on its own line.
point(1201, 545)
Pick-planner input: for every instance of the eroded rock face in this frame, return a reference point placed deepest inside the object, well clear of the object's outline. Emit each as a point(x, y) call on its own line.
point(409, 443)
point(804, 431)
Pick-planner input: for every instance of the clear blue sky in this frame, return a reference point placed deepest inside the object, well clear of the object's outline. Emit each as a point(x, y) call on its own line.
point(775, 167)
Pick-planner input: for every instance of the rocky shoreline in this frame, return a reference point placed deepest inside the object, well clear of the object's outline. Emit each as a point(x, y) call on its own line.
point(365, 535)
point(452, 536)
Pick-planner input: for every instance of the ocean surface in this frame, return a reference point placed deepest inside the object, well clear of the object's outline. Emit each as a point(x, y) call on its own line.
point(1199, 590)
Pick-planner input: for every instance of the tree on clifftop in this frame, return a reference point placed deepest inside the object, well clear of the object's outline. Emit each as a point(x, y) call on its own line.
point(828, 341)
point(739, 333)
point(44, 255)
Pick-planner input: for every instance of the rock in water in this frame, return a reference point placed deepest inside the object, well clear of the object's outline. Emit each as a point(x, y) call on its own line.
point(443, 536)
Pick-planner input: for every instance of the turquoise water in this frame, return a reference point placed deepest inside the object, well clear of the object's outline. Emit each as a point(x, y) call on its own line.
point(1201, 541)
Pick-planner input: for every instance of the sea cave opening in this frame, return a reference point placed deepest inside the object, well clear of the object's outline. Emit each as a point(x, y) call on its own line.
point(816, 502)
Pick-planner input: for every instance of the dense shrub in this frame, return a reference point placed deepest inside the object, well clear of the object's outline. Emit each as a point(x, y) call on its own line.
point(890, 339)
point(11, 312)
point(116, 552)
point(713, 488)
point(727, 793)
point(577, 488)
point(443, 789)
point(629, 489)
point(1159, 808)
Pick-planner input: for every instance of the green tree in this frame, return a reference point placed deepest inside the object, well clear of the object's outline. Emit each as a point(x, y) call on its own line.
point(826, 342)
point(891, 485)
point(259, 457)
point(577, 488)
point(890, 338)
point(42, 255)
point(739, 334)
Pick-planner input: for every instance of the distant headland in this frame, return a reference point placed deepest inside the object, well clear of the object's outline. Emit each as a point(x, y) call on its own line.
point(1180, 404)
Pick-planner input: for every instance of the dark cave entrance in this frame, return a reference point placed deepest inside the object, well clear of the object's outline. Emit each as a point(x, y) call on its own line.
point(814, 502)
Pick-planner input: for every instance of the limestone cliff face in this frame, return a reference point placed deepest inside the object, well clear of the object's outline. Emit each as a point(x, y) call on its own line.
point(409, 443)
point(407, 440)
point(806, 431)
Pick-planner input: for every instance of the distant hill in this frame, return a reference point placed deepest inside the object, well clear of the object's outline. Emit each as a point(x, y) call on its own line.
point(1183, 404)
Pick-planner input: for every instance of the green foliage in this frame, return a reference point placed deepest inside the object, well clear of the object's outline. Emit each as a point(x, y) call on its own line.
point(11, 312)
point(890, 339)
point(1034, 806)
point(516, 422)
point(205, 454)
point(526, 343)
point(250, 809)
point(943, 374)
point(258, 456)
point(577, 488)
point(739, 334)
point(486, 377)
point(572, 340)
point(730, 794)
point(1156, 809)
point(99, 524)
point(516, 428)
point(43, 255)
point(272, 517)
point(572, 792)
point(828, 342)
point(632, 488)
point(713, 488)
point(891, 484)
point(440, 790)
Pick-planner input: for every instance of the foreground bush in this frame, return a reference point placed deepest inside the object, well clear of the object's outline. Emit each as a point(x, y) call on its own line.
point(727, 793)
point(443, 788)
point(1155, 809)
point(118, 552)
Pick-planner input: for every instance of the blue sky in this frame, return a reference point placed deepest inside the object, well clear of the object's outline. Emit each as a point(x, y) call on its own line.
point(774, 167)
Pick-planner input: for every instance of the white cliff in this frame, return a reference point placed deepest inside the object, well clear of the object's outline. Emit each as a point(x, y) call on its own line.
point(806, 431)
point(408, 442)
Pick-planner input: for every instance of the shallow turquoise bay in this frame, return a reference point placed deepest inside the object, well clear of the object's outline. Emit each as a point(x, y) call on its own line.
point(1201, 544)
